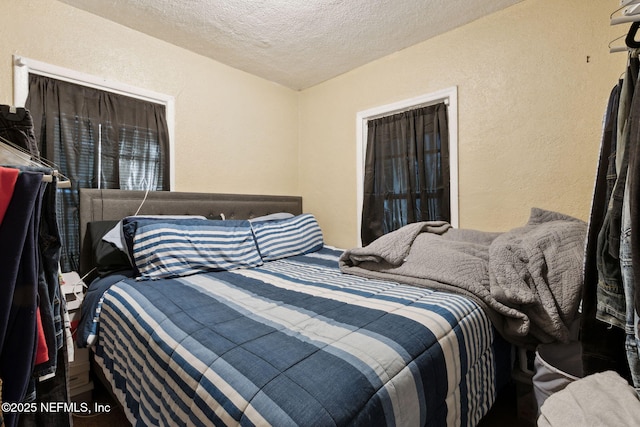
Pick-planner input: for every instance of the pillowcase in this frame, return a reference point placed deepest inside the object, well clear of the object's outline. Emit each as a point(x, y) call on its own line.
point(105, 256)
point(162, 249)
point(288, 237)
point(116, 237)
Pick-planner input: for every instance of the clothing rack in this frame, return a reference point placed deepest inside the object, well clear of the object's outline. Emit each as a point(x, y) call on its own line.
point(12, 154)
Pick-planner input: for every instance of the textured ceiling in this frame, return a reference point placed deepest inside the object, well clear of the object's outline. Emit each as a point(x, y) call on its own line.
point(297, 43)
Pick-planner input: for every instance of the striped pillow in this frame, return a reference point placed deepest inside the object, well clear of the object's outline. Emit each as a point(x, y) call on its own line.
point(288, 237)
point(182, 248)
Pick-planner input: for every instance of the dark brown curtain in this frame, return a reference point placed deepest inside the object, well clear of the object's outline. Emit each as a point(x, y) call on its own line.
point(406, 176)
point(98, 139)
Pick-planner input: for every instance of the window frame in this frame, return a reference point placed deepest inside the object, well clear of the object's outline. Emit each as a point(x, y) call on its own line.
point(450, 97)
point(22, 67)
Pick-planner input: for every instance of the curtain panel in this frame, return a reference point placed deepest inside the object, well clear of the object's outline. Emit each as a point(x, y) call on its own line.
point(98, 139)
point(406, 176)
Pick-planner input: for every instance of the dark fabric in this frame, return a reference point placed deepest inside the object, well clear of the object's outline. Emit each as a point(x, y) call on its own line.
point(50, 300)
point(16, 125)
point(602, 346)
point(107, 258)
point(406, 175)
point(19, 290)
point(100, 140)
point(52, 390)
point(609, 289)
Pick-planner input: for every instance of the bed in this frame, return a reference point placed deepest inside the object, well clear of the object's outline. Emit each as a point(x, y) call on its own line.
point(286, 339)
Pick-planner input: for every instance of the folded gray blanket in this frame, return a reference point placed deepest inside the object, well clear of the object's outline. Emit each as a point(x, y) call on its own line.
point(529, 274)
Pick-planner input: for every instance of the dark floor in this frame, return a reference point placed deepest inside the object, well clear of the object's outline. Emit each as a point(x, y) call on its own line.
point(515, 407)
point(109, 415)
point(503, 414)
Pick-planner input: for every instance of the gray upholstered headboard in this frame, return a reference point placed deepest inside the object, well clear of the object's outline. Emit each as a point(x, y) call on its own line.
point(101, 205)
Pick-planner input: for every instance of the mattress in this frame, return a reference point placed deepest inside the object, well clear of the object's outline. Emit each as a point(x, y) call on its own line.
point(294, 342)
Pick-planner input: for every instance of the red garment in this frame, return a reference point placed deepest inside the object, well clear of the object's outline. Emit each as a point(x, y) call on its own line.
point(8, 178)
point(42, 350)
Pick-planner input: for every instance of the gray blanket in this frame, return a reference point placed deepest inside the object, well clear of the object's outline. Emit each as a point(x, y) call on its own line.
point(528, 280)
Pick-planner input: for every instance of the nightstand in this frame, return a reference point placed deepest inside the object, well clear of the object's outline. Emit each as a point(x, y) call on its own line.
point(80, 385)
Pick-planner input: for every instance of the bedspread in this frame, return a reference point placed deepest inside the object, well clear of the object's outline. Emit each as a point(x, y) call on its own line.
point(295, 342)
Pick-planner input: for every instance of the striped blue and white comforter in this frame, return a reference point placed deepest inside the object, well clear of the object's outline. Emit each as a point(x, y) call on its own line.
point(295, 342)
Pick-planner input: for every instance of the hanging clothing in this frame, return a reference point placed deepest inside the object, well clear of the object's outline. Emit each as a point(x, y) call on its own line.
point(632, 337)
point(19, 293)
point(602, 345)
point(16, 125)
point(51, 308)
point(634, 195)
point(33, 357)
point(49, 378)
point(611, 296)
point(610, 324)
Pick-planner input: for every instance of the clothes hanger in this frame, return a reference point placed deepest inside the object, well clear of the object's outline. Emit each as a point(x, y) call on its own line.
point(630, 39)
point(614, 49)
point(12, 154)
point(631, 13)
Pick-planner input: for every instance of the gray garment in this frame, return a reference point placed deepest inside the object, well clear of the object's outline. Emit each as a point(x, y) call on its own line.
point(602, 399)
point(610, 293)
point(632, 342)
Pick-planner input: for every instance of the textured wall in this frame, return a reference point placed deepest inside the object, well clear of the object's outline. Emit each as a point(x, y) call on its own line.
point(530, 107)
point(235, 133)
point(533, 82)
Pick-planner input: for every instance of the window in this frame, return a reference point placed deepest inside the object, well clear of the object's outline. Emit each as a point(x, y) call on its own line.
point(23, 67)
point(414, 176)
point(99, 138)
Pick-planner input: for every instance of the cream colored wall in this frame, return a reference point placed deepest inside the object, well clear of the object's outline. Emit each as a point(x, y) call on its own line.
point(533, 82)
point(530, 107)
point(235, 132)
